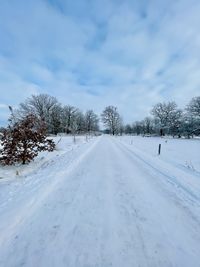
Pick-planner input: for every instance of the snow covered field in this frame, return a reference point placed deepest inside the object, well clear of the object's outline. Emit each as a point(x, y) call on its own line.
point(182, 153)
point(111, 201)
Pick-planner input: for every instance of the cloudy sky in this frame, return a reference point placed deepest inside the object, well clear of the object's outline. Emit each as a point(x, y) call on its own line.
point(93, 53)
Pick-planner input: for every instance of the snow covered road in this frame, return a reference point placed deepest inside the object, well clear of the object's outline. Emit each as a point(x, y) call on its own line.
point(110, 207)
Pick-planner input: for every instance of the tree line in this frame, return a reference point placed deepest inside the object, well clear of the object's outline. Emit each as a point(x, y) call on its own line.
point(67, 119)
point(167, 119)
point(58, 118)
point(36, 118)
point(41, 115)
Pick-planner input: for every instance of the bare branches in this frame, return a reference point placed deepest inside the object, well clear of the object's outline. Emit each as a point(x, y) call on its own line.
point(111, 119)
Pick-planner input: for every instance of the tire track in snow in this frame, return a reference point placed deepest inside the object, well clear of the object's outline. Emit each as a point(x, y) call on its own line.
point(172, 179)
point(36, 200)
point(94, 227)
point(106, 213)
point(166, 215)
point(180, 197)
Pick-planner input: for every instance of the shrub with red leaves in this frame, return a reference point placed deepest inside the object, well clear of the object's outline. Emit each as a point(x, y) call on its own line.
point(23, 140)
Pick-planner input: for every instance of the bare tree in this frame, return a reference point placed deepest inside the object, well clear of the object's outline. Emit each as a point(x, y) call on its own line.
point(39, 105)
point(189, 126)
point(78, 125)
point(165, 114)
point(128, 129)
point(147, 125)
point(111, 119)
point(56, 119)
point(191, 120)
point(138, 127)
point(91, 121)
point(193, 107)
point(68, 117)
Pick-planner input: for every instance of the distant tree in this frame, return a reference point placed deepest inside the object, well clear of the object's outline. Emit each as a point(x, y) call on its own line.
point(121, 127)
point(165, 114)
point(78, 124)
point(193, 116)
point(193, 107)
point(175, 123)
point(188, 125)
point(41, 106)
point(69, 116)
point(137, 127)
point(23, 139)
point(147, 125)
point(55, 120)
point(91, 121)
point(111, 119)
point(128, 129)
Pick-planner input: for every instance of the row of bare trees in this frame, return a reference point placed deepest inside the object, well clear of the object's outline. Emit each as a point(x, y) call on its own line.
point(39, 115)
point(26, 134)
point(58, 118)
point(168, 119)
point(66, 118)
point(36, 118)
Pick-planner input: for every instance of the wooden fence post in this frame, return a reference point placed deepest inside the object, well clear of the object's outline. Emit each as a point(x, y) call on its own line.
point(159, 149)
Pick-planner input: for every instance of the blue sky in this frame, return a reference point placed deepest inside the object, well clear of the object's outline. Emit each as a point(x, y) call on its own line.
point(93, 53)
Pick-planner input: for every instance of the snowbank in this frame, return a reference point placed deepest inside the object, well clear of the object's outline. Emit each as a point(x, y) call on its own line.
point(64, 144)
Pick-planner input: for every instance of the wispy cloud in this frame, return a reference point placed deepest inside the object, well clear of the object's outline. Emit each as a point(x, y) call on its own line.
point(93, 53)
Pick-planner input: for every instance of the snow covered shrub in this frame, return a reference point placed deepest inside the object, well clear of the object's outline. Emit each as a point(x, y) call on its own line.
point(22, 140)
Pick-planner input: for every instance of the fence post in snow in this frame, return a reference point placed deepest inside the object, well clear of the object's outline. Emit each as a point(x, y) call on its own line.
point(159, 149)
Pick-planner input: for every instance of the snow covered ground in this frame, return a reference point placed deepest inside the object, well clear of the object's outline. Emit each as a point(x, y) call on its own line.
point(63, 144)
point(182, 153)
point(111, 201)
